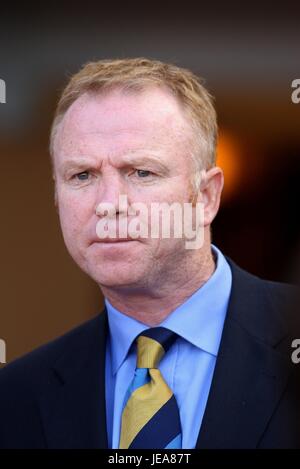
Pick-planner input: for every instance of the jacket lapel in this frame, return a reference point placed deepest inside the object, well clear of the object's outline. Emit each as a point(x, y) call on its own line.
point(73, 404)
point(250, 375)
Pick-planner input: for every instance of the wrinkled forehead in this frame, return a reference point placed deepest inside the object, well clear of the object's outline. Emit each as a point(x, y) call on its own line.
point(115, 118)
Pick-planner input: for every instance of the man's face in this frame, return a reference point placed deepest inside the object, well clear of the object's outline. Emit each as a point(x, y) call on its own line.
point(116, 144)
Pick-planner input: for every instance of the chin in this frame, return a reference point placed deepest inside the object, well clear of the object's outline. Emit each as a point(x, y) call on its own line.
point(116, 277)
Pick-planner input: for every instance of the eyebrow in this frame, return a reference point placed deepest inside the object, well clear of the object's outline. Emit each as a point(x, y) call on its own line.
point(78, 163)
point(135, 159)
point(131, 159)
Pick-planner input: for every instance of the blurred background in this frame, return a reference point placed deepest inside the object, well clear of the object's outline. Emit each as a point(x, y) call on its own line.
point(248, 56)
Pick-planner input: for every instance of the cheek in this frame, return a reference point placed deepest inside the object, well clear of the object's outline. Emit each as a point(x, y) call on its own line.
point(177, 191)
point(74, 213)
point(167, 250)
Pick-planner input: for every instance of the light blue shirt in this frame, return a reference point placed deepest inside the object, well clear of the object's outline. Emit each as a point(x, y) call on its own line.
point(188, 366)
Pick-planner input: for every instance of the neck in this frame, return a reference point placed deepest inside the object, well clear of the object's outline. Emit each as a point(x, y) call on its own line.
point(152, 305)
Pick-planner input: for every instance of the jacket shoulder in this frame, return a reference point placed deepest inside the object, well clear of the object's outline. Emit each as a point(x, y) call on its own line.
point(26, 379)
point(272, 306)
point(28, 370)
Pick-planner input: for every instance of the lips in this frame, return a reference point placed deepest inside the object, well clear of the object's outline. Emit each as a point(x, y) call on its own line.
point(111, 240)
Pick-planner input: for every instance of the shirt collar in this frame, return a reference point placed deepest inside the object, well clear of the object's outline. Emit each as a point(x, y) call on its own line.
point(204, 314)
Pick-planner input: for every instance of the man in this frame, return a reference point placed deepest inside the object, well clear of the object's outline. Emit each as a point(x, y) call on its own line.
point(191, 351)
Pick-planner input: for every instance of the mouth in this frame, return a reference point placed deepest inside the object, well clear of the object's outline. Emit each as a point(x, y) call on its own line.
point(112, 240)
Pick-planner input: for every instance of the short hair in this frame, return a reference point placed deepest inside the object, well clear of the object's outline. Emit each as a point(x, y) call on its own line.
point(138, 74)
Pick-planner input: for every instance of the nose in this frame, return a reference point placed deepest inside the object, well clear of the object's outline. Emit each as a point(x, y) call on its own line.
point(111, 194)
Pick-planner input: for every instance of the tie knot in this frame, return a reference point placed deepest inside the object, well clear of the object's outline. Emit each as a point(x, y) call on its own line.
point(152, 344)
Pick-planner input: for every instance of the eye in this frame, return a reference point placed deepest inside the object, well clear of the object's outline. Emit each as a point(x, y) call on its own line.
point(142, 173)
point(83, 176)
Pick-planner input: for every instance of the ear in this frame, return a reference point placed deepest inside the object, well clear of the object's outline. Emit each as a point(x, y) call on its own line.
point(211, 185)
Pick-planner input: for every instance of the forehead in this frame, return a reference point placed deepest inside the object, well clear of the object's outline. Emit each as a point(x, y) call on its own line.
point(119, 120)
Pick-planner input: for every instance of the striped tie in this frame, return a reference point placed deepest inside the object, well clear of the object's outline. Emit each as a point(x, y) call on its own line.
point(150, 417)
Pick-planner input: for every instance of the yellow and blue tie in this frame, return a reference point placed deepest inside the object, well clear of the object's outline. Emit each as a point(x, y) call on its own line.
point(150, 417)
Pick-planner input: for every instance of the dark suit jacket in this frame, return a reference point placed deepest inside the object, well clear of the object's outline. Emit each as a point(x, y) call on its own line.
point(54, 397)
